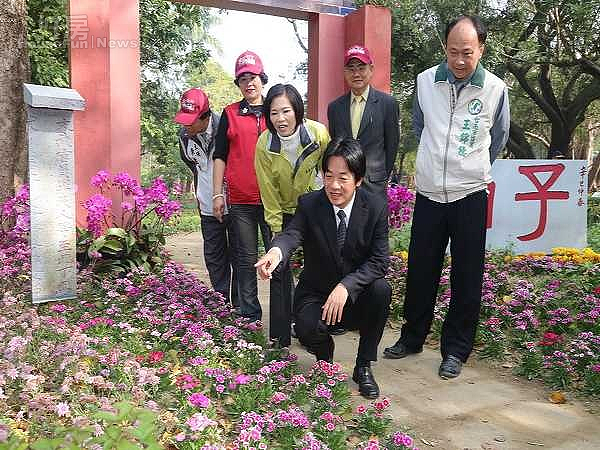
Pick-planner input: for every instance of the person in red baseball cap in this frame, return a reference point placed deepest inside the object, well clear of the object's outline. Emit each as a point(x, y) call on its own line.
point(193, 105)
point(196, 146)
point(241, 125)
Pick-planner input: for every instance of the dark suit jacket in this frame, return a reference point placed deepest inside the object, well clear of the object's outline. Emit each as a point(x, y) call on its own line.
point(379, 132)
point(364, 258)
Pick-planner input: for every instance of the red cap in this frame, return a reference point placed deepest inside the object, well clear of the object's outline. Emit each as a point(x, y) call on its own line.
point(248, 62)
point(359, 52)
point(193, 104)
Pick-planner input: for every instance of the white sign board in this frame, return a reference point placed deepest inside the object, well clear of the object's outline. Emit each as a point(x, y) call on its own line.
point(537, 205)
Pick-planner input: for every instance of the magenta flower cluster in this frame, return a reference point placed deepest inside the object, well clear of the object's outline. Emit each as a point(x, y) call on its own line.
point(401, 201)
point(135, 203)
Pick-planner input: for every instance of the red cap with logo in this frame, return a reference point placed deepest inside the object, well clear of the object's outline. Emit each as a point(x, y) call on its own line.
point(193, 103)
point(248, 62)
point(359, 52)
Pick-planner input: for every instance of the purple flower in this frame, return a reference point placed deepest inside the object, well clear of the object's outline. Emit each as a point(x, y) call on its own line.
point(126, 183)
point(242, 379)
point(199, 422)
point(97, 207)
point(62, 409)
point(100, 179)
point(199, 400)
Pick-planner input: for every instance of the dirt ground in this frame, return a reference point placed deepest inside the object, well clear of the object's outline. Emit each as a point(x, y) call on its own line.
point(485, 408)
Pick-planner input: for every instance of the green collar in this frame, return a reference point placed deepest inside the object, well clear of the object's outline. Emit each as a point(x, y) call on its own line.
point(477, 79)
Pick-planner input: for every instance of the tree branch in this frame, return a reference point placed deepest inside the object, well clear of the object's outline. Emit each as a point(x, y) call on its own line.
point(298, 37)
point(542, 139)
point(546, 88)
point(590, 67)
point(570, 85)
point(583, 99)
point(519, 73)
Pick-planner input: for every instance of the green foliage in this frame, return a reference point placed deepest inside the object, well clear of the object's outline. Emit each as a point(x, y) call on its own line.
point(399, 239)
point(186, 222)
point(119, 250)
point(47, 37)
point(594, 237)
point(129, 427)
point(216, 82)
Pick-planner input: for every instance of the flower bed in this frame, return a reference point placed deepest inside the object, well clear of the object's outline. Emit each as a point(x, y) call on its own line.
point(157, 360)
point(541, 311)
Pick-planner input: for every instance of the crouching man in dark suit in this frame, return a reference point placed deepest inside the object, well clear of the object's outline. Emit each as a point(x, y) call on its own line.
point(344, 233)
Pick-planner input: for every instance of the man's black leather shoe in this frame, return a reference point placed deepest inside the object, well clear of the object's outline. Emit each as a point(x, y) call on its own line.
point(337, 329)
point(450, 367)
point(399, 350)
point(367, 386)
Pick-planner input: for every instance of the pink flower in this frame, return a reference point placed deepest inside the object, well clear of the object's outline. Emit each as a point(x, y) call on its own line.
point(242, 378)
point(62, 409)
point(100, 179)
point(59, 308)
point(126, 206)
point(361, 409)
point(180, 437)
point(155, 357)
point(199, 400)
point(199, 422)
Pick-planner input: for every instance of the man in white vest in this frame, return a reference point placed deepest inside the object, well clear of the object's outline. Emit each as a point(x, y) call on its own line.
point(461, 119)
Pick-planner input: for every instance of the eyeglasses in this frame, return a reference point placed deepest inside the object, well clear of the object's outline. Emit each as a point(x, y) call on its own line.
point(360, 68)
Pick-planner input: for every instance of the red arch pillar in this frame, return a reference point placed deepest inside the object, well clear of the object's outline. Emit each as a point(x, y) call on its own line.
point(105, 69)
point(329, 36)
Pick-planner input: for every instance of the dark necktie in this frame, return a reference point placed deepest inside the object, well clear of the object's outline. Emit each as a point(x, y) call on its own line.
point(341, 230)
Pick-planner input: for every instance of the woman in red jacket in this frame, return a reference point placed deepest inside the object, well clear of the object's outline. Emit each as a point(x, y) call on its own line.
point(240, 126)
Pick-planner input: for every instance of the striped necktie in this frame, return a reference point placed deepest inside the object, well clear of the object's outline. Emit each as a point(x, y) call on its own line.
point(341, 229)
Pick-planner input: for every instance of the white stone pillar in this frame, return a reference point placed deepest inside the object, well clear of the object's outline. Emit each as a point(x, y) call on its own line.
point(52, 190)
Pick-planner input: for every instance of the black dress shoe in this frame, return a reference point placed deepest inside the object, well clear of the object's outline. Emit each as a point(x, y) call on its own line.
point(337, 329)
point(399, 350)
point(450, 367)
point(367, 386)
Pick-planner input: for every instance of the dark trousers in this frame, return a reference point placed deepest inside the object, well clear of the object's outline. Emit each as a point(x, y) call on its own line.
point(463, 222)
point(280, 300)
point(368, 315)
point(218, 256)
point(246, 220)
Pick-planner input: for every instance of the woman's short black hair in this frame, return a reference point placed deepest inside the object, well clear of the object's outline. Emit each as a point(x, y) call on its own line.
point(479, 26)
point(351, 151)
point(264, 79)
point(292, 95)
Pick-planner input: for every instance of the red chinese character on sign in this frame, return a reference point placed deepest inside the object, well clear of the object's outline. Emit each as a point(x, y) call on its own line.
point(543, 194)
point(490, 205)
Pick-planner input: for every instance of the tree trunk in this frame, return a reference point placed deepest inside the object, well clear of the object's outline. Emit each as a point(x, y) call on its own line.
point(594, 175)
point(13, 72)
point(560, 141)
point(518, 145)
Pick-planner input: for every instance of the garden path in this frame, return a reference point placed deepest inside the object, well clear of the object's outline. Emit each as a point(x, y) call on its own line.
point(485, 408)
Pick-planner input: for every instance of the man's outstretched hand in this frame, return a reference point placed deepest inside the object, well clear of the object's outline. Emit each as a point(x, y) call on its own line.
point(334, 306)
point(268, 263)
